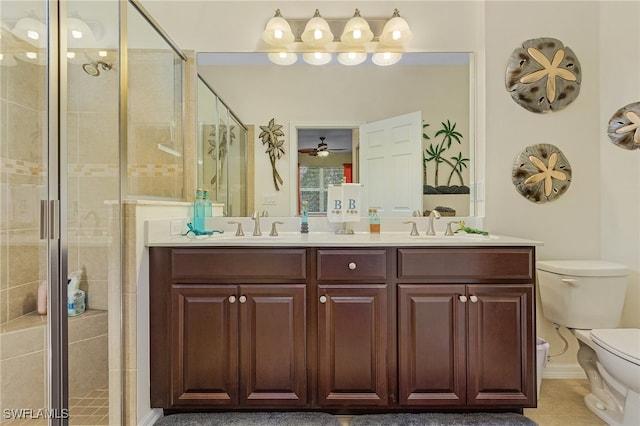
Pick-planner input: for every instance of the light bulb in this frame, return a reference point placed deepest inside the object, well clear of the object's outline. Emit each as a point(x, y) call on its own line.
point(357, 33)
point(396, 35)
point(76, 34)
point(31, 55)
point(102, 53)
point(317, 55)
point(317, 34)
point(71, 55)
point(277, 34)
point(387, 55)
point(33, 35)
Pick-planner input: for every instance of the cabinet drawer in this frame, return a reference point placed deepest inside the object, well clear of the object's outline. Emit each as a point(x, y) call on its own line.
point(470, 264)
point(349, 265)
point(238, 264)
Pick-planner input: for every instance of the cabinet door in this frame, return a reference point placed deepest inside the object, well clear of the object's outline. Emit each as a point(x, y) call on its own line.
point(431, 345)
point(272, 350)
point(501, 355)
point(352, 340)
point(204, 345)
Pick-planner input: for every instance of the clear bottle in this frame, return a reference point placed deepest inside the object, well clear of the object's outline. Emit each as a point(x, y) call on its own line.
point(374, 221)
point(198, 211)
point(208, 210)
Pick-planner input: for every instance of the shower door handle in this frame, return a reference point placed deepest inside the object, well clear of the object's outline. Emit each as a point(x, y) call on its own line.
point(44, 222)
point(49, 218)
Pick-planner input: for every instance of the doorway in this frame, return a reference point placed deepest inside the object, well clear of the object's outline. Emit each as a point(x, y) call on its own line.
point(327, 153)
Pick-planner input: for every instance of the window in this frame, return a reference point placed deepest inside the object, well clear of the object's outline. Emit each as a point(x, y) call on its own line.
point(313, 185)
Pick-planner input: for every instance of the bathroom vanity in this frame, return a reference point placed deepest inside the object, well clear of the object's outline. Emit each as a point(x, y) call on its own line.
point(349, 325)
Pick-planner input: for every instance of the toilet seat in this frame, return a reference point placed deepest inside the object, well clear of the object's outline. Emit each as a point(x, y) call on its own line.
point(622, 342)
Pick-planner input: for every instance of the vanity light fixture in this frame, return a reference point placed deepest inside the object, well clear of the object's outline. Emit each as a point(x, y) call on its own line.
point(278, 31)
point(396, 31)
point(315, 39)
point(32, 31)
point(317, 32)
point(352, 58)
point(356, 31)
point(317, 58)
point(386, 58)
point(283, 58)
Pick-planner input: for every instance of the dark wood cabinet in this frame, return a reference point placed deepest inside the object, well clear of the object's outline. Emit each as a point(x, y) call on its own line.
point(431, 345)
point(479, 354)
point(501, 346)
point(361, 328)
point(238, 345)
point(232, 339)
point(352, 331)
point(470, 345)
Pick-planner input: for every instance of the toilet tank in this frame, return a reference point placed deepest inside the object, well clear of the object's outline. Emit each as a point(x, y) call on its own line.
point(582, 294)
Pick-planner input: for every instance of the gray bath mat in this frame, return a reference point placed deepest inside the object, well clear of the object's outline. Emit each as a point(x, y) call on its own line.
point(249, 419)
point(442, 419)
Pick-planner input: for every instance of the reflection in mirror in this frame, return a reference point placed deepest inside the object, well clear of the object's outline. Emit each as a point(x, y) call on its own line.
point(155, 157)
point(222, 153)
point(325, 157)
point(439, 85)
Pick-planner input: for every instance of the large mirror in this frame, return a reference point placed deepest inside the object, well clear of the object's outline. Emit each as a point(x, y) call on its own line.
point(334, 100)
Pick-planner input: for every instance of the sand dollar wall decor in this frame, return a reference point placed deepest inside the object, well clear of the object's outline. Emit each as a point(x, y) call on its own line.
point(543, 75)
point(541, 173)
point(624, 127)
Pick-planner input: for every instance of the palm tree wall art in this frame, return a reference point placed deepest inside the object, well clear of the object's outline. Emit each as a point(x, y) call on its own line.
point(439, 154)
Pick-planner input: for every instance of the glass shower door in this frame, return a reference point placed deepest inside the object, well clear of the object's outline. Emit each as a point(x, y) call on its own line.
point(29, 247)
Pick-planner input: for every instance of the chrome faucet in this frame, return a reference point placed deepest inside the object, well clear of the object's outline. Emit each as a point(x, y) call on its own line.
point(434, 214)
point(256, 229)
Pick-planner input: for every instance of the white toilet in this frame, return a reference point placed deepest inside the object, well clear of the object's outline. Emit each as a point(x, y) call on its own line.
point(587, 298)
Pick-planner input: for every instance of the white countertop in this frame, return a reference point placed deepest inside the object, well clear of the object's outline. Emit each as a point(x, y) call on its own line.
point(158, 234)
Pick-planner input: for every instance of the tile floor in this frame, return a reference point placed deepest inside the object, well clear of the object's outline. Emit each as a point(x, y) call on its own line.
point(561, 403)
point(90, 410)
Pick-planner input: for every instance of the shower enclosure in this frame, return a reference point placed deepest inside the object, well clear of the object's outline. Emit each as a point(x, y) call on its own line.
point(80, 128)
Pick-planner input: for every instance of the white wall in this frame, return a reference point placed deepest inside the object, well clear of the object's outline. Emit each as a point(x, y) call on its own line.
point(598, 216)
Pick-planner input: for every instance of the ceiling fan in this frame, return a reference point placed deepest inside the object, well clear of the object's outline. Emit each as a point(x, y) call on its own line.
point(321, 151)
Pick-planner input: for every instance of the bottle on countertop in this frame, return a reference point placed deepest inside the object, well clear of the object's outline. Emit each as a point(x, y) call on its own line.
point(198, 211)
point(304, 225)
point(208, 208)
point(374, 221)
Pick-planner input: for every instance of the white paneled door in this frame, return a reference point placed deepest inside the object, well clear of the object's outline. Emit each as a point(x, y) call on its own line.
point(391, 164)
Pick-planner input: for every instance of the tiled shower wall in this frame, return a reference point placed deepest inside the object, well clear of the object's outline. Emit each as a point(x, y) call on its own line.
point(22, 97)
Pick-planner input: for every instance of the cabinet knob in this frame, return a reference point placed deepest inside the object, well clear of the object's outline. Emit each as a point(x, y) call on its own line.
point(242, 299)
point(463, 298)
point(323, 299)
point(474, 299)
point(352, 265)
point(232, 299)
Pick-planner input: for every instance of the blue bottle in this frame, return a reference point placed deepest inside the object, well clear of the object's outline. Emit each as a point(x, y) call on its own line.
point(208, 208)
point(198, 212)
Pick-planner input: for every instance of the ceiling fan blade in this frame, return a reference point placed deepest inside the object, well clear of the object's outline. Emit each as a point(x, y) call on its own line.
point(306, 150)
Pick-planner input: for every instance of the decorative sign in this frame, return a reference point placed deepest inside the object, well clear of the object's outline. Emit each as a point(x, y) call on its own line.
point(543, 75)
point(624, 127)
point(541, 173)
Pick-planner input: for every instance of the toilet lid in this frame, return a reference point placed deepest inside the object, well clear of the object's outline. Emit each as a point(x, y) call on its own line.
point(623, 342)
point(583, 268)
